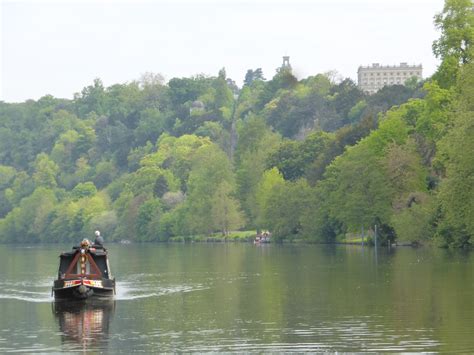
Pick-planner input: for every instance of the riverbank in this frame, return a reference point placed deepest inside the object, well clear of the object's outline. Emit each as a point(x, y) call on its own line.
point(249, 237)
point(233, 237)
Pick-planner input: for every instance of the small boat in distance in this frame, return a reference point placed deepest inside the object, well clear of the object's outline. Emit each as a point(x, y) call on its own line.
point(84, 273)
point(263, 238)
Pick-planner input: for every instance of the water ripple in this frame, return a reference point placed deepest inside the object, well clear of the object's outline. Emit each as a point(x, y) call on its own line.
point(141, 288)
point(35, 290)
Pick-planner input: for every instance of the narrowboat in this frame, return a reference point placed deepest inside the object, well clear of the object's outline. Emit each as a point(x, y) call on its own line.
point(83, 273)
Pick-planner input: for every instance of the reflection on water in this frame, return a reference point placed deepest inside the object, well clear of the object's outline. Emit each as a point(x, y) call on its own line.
point(84, 324)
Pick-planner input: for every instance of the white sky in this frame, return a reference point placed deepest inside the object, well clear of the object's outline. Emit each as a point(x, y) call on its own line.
point(59, 47)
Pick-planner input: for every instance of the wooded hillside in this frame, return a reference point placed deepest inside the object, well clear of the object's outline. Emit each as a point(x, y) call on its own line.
point(310, 159)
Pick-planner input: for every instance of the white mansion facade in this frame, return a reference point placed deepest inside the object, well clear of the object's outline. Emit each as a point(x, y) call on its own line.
point(374, 77)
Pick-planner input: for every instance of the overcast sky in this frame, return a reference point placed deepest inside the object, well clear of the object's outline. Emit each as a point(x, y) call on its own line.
point(59, 47)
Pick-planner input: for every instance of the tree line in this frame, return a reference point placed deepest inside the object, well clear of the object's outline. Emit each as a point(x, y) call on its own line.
point(313, 159)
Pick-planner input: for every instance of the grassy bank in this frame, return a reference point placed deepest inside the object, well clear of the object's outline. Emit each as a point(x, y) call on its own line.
point(236, 236)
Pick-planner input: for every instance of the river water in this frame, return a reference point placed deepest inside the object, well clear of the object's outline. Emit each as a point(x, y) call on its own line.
point(242, 298)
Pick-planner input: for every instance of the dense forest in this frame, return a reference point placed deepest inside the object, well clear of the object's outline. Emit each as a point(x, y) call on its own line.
point(314, 159)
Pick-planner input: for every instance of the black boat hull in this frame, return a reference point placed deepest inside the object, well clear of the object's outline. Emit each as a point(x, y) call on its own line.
point(81, 289)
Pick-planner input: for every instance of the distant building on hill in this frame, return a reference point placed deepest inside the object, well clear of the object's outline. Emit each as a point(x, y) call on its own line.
point(286, 62)
point(372, 78)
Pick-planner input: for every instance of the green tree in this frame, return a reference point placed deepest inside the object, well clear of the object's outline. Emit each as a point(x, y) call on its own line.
point(256, 142)
point(253, 75)
point(272, 179)
point(211, 168)
point(292, 158)
point(91, 99)
point(456, 23)
point(284, 208)
point(7, 174)
point(226, 212)
point(148, 220)
point(105, 172)
point(413, 208)
point(22, 186)
point(415, 221)
point(457, 188)
point(283, 80)
point(432, 120)
point(316, 223)
point(345, 95)
point(404, 169)
point(176, 155)
point(46, 171)
point(454, 47)
point(106, 221)
point(63, 150)
point(151, 125)
point(27, 222)
point(137, 154)
point(223, 94)
point(360, 194)
point(83, 190)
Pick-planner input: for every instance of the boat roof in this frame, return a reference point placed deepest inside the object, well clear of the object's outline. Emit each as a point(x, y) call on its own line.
point(93, 251)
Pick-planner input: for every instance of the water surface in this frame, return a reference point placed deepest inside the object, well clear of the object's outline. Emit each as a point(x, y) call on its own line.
point(241, 297)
